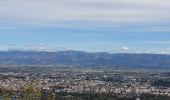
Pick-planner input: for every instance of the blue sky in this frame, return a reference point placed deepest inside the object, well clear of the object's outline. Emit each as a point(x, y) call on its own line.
point(141, 26)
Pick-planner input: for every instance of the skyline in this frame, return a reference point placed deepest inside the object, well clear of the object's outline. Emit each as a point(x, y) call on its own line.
point(86, 25)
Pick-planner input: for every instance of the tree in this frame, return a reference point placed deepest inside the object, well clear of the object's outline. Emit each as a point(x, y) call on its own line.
point(6, 93)
point(51, 96)
point(31, 91)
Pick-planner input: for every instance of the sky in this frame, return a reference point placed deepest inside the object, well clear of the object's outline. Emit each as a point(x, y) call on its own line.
point(117, 26)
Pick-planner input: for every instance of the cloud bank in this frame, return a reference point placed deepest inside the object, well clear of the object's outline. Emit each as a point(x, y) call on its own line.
point(56, 12)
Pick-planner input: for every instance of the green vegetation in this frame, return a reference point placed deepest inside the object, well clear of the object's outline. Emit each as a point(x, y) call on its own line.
point(6, 94)
point(31, 91)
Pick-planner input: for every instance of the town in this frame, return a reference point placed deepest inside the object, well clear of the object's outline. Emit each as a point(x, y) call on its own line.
point(71, 80)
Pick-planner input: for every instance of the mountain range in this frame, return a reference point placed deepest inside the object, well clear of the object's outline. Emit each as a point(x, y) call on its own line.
point(78, 58)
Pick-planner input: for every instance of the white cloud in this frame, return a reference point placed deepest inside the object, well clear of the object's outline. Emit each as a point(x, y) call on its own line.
point(125, 49)
point(52, 11)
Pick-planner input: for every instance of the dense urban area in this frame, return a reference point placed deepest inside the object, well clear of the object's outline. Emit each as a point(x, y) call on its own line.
point(59, 82)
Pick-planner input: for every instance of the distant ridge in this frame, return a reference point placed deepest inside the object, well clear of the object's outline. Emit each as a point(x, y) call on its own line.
point(128, 60)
